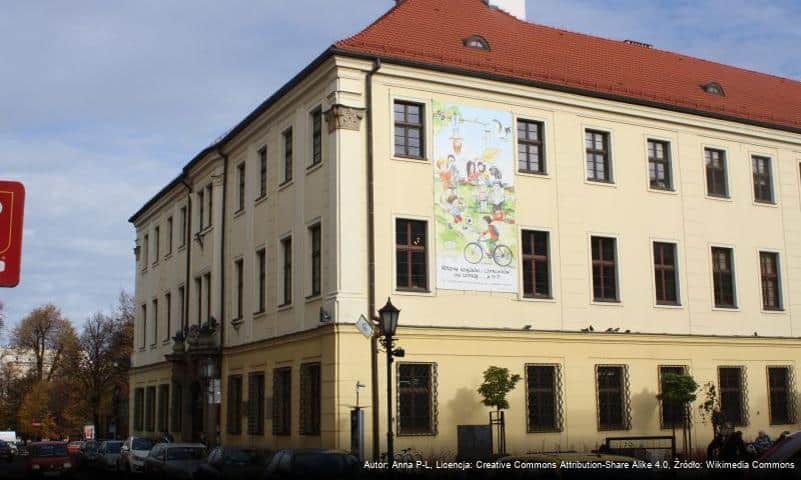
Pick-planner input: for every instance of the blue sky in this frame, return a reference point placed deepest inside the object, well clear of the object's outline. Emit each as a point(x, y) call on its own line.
point(103, 102)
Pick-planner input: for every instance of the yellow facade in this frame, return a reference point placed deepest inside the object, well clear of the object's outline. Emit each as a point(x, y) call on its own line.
point(464, 332)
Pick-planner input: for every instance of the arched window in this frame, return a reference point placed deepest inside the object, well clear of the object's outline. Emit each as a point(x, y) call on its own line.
point(714, 88)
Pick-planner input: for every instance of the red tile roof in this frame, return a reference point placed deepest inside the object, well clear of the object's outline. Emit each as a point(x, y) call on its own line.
point(431, 32)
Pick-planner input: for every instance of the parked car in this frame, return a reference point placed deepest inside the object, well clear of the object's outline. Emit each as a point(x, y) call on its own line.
point(6, 452)
point(22, 448)
point(108, 455)
point(230, 463)
point(313, 463)
point(74, 447)
point(86, 454)
point(133, 453)
point(48, 458)
point(174, 460)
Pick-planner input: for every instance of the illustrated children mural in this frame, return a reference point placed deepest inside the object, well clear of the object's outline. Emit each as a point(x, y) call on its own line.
point(474, 198)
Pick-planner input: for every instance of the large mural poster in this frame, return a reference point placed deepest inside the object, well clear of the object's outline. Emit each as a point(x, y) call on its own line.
point(474, 199)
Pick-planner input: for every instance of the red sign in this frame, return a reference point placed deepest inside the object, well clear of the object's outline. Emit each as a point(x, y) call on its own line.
point(12, 202)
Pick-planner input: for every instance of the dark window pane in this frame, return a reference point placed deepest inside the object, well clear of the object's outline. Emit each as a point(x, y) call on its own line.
point(415, 394)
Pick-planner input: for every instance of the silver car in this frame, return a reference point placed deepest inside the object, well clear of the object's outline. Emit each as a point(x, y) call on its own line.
point(133, 454)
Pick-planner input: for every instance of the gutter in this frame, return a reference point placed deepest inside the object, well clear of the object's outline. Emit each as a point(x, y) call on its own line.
point(368, 94)
point(222, 251)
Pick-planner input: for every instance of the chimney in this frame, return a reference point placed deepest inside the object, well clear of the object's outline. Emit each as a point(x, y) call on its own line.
point(516, 8)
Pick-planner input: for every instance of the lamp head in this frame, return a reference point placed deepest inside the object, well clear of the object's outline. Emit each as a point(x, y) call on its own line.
point(388, 318)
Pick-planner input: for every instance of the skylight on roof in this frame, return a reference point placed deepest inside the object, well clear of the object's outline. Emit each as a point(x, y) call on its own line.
point(476, 41)
point(714, 88)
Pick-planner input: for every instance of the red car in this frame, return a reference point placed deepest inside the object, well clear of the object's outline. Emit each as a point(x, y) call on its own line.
point(74, 447)
point(48, 458)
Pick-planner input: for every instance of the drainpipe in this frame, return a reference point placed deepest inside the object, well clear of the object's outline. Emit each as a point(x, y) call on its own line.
point(222, 252)
point(371, 254)
point(188, 243)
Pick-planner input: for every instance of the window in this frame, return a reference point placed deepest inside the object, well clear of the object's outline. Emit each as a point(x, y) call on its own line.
point(261, 260)
point(282, 401)
point(207, 278)
point(671, 412)
point(597, 150)
point(717, 184)
point(536, 268)
point(169, 235)
point(163, 412)
point(713, 88)
point(732, 404)
point(763, 179)
point(476, 41)
point(262, 172)
point(723, 277)
point(771, 281)
point(316, 265)
point(240, 173)
point(530, 150)
point(659, 167)
point(201, 209)
point(604, 269)
point(156, 245)
point(239, 270)
point(612, 398)
point(168, 305)
point(317, 136)
point(416, 399)
point(286, 251)
point(209, 204)
point(139, 409)
point(176, 416)
point(310, 398)
point(543, 402)
point(150, 409)
point(411, 262)
point(144, 326)
point(256, 403)
point(780, 395)
point(234, 410)
point(199, 299)
point(665, 273)
point(155, 323)
point(287, 155)
point(182, 240)
point(146, 245)
point(409, 130)
point(181, 307)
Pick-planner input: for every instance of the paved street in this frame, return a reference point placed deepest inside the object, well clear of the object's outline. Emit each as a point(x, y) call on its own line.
point(17, 470)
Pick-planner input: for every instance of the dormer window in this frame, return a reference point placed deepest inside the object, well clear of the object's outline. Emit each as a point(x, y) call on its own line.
point(714, 88)
point(476, 41)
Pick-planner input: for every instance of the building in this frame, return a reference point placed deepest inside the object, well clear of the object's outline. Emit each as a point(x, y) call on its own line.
point(589, 213)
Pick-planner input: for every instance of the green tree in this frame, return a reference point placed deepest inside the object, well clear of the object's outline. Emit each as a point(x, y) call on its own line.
point(497, 385)
point(678, 392)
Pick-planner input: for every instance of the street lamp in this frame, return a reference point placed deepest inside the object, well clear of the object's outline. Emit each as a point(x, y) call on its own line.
point(388, 324)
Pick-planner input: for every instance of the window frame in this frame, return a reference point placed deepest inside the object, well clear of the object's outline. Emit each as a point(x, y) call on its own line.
point(156, 244)
point(539, 144)
point(257, 397)
point(315, 235)
point(282, 407)
point(676, 273)
point(316, 129)
point(239, 285)
point(163, 407)
point(667, 162)
point(743, 398)
point(285, 271)
point(618, 300)
point(606, 153)
point(663, 425)
point(233, 405)
point(310, 414)
point(625, 399)
point(241, 171)
point(780, 307)
point(534, 259)
point(288, 154)
point(139, 409)
point(432, 390)
point(422, 126)
point(184, 217)
point(558, 399)
point(261, 280)
point(169, 236)
point(409, 249)
point(263, 172)
point(727, 195)
point(771, 181)
point(735, 305)
point(168, 304)
point(155, 322)
point(789, 391)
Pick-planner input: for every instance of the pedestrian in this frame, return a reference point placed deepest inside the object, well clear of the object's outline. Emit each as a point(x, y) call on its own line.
point(762, 442)
point(734, 448)
point(714, 447)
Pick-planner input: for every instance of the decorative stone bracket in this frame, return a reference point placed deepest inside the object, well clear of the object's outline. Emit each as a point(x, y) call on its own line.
point(342, 116)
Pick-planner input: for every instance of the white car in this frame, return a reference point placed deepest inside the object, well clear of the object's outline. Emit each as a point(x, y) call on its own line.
point(108, 455)
point(133, 454)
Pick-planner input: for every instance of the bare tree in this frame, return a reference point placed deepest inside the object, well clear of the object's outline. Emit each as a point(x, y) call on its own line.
point(98, 364)
point(51, 339)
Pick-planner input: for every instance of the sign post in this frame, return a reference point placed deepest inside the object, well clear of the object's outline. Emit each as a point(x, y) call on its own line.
point(12, 202)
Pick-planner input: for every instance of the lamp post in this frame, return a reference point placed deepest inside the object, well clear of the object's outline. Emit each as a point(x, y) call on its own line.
point(388, 324)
